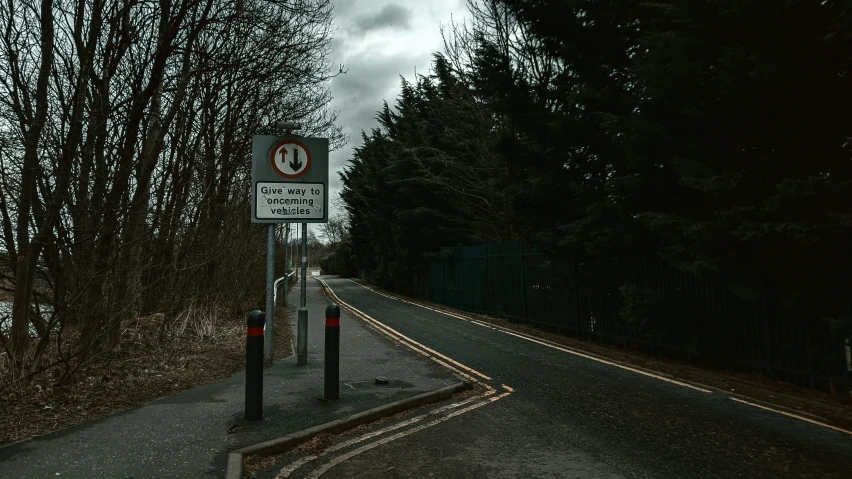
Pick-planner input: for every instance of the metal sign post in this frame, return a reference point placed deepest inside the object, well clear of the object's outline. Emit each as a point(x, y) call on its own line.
point(286, 260)
point(302, 327)
point(289, 184)
point(270, 295)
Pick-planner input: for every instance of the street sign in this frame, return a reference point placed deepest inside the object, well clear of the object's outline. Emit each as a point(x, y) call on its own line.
point(289, 179)
point(290, 158)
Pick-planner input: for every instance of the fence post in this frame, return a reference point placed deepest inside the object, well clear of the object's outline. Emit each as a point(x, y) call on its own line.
point(461, 285)
point(578, 308)
point(845, 388)
point(523, 286)
point(842, 388)
point(254, 366)
point(766, 343)
point(443, 283)
point(486, 299)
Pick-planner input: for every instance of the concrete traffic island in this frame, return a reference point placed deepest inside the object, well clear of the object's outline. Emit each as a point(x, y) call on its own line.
point(360, 353)
point(284, 443)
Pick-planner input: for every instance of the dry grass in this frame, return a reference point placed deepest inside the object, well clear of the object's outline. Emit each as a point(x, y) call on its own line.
point(475, 390)
point(316, 444)
point(253, 464)
point(199, 346)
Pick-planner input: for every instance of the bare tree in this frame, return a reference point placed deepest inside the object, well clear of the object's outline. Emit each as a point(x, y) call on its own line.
point(124, 132)
point(32, 116)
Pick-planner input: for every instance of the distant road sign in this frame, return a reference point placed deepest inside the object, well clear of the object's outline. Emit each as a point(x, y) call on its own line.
point(289, 179)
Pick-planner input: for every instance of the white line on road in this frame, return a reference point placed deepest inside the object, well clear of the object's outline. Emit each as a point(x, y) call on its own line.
point(609, 363)
point(791, 415)
point(553, 345)
point(544, 342)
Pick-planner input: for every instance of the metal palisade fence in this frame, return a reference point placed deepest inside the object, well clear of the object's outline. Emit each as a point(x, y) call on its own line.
point(645, 305)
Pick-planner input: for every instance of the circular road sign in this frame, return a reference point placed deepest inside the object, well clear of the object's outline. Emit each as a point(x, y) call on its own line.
point(290, 158)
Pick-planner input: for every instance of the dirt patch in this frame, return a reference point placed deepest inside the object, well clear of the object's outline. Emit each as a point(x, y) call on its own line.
point(824, 407)
point(254, 464)
point(149, 365)
point(475, 390)
point(316, 444)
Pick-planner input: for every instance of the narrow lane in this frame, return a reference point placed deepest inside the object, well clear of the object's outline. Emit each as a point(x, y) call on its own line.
point(574, 417)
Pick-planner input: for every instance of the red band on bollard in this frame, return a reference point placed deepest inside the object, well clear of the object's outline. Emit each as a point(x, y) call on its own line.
point(255, 331)
point(334, 322)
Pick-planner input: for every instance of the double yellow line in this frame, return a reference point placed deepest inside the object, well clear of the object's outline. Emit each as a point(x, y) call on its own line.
point(445, 361)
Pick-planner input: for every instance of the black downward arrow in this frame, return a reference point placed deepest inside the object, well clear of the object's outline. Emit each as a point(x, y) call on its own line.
point(295, 163)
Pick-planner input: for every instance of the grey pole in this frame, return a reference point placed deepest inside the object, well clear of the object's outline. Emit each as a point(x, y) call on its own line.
point(286, 260)
point(302, 333)
point(270, 294)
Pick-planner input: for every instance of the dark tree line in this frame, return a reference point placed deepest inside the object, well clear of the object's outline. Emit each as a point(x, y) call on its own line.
point(714, 135)
point(125, 132)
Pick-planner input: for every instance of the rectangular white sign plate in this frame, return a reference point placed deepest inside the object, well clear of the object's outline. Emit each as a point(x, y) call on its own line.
point(289, 201)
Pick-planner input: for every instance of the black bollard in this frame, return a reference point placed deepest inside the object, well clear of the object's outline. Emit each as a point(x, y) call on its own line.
point(332, 352)
point(254, 366)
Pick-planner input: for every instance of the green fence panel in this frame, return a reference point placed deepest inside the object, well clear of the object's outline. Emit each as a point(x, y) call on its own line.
point(646, 305)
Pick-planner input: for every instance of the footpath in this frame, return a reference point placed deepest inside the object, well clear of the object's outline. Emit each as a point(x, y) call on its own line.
point(190, 435)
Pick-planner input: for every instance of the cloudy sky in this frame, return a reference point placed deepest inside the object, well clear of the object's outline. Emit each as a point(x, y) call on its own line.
point(377, 41)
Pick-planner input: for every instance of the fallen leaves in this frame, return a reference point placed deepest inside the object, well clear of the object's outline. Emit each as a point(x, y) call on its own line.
point(317, 444)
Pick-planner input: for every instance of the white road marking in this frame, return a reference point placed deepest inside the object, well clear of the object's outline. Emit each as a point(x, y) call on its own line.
point(610, 363)
point(481, 324)
point(325, 467)
point(549, 344)
point(791, 415)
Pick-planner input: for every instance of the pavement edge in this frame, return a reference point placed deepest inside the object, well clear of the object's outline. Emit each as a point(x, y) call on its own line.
point(236, 458)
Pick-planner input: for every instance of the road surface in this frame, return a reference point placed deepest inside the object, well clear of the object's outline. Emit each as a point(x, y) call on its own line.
point(561, 415)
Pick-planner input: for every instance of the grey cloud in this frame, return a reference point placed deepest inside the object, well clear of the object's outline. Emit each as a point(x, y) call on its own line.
point(391, 15)
point(370, 79)
point(337, 43)
point(344, 8)
point(374, 72)
point(358, 96)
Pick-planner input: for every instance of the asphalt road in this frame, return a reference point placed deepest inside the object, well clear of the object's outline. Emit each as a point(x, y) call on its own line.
point(572, 417)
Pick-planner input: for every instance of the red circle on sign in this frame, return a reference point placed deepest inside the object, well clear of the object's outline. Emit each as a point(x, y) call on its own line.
point(280, 145)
